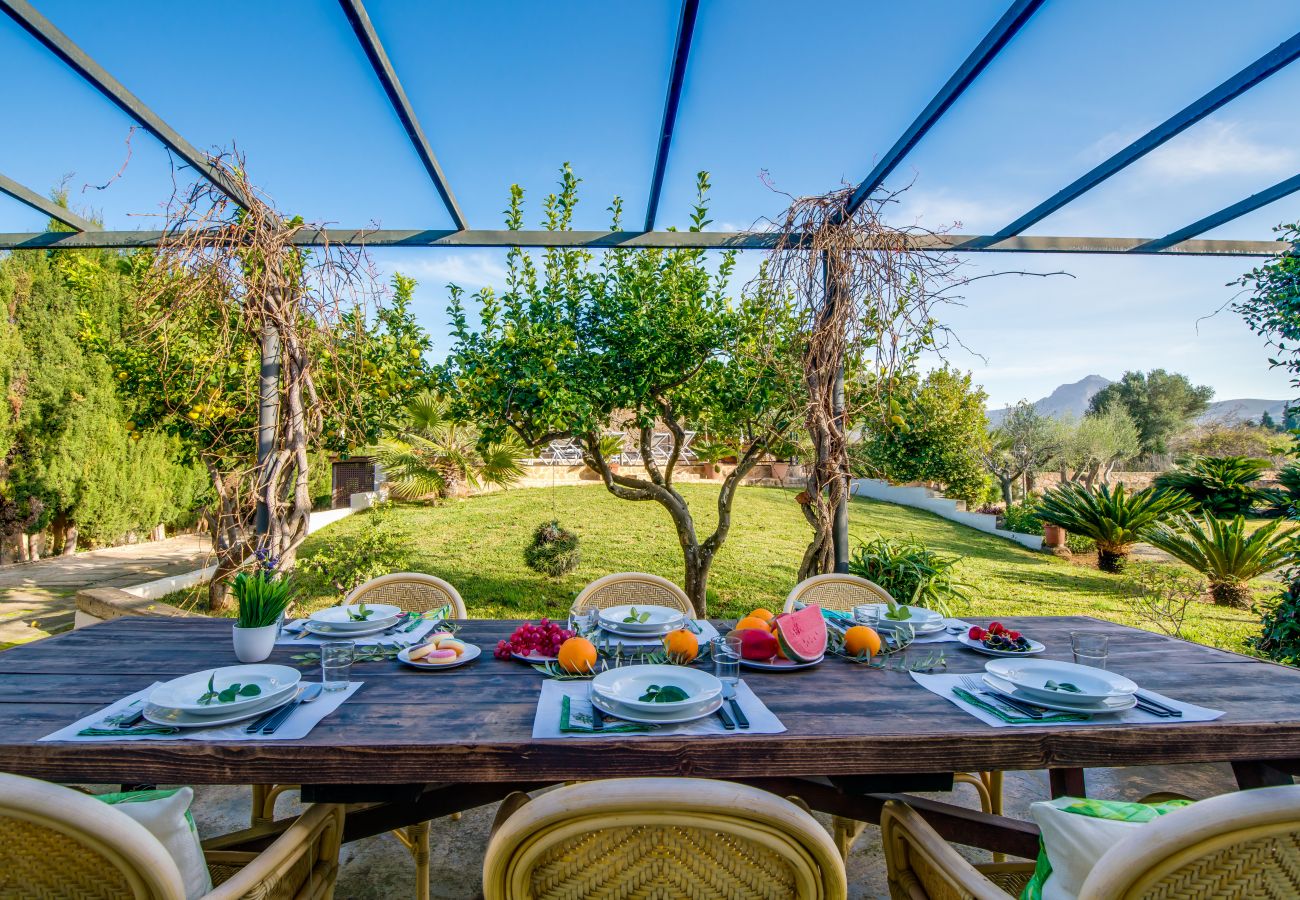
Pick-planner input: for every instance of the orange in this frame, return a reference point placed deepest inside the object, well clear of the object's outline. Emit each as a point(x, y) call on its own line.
point(752, 622)
point(765, 614)
point(577, 656)
point(861, 640)
point(681, 646)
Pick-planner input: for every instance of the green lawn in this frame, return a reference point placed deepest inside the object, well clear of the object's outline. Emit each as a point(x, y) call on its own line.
point(478, 544)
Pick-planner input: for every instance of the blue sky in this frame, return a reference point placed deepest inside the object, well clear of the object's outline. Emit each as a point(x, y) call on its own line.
point(810, 93)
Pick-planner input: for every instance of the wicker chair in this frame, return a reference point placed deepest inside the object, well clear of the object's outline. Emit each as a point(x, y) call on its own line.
point(57, 842)
point(659, 837)
point(1245, 844)
point(631, 587)
point(413, 592)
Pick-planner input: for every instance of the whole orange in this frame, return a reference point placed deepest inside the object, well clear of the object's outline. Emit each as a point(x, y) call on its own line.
point(860, 640)
point(681, 645)
point(752, 622)
point(577, 656)
point(761, 613)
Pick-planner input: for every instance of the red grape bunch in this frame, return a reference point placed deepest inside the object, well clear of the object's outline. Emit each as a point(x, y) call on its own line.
point(542, 638)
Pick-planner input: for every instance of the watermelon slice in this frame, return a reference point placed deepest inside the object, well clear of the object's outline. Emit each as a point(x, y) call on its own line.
point(802, 634)
point(755, 644)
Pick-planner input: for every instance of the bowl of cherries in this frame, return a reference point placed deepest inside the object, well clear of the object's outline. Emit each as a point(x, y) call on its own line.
point(998, 640)
point(533, 642)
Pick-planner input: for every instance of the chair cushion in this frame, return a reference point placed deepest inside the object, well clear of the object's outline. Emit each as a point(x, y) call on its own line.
point(166, 815)
point(1076, 834)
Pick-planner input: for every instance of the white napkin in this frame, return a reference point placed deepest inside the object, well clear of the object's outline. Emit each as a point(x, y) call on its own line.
point(943, 685)
point(299, 724)
point(546, 722)
point(290, 635)
point(707, 633)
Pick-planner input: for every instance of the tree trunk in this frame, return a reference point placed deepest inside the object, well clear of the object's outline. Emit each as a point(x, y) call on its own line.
point(1111, 560)
point(70, 540)
point(1006, 490)
point(1231, 593)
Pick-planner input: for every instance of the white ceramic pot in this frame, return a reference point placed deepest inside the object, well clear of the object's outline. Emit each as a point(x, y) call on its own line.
point(254, 644)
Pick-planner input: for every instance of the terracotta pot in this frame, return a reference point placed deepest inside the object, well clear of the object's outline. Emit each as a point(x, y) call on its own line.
point(1053, 535)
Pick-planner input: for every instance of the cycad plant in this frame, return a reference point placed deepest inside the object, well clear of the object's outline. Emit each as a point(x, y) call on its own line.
point(1219, 485)
point(1115, 520)
point(1223, 551)
point(434, 455)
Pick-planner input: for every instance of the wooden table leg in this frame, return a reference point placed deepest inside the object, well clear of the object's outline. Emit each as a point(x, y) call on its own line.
point(1259, 774)
point(1067, 783)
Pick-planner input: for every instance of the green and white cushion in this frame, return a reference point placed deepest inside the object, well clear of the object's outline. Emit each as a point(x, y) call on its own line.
point(166, 815)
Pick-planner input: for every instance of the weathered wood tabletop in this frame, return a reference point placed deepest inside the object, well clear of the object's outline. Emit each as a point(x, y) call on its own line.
point(474, 723)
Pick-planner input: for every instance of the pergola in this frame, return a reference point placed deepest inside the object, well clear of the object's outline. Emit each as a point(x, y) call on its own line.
point(1010, 239)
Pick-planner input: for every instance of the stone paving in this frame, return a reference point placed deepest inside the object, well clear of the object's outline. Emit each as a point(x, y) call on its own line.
point(37, 598)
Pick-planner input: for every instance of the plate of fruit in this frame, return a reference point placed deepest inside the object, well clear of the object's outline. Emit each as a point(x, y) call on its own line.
point(440, 650)
point(998, 640)
point(534, 642)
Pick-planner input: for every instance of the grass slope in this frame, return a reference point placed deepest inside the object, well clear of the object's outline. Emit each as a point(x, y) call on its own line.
point(478, 544)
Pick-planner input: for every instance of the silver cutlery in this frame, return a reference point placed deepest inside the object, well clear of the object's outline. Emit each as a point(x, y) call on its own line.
point(597, 717)
point(309, 693)
point(977, 687)
point(127, 718)
point(1152, 711)
point(694, 626)
point(729, 694)
point(727, 723)
point(1147, 700)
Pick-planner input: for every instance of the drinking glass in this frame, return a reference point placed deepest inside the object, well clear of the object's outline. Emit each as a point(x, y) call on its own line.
point(1089, 648)
point(868, 615)
point(336, 664)
point(725, 651)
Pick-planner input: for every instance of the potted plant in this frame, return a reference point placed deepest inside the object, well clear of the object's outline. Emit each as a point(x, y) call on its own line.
point(1053, 535)
point(611, 447)
point(711, 453)
point(262, 596)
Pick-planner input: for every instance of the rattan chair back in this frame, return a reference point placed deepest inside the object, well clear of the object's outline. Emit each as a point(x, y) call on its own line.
point(662, 837)
point(631, 587)
point(837, 592)
point(412, 591)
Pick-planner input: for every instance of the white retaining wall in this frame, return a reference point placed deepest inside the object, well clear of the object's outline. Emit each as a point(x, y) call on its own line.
point(953, 510)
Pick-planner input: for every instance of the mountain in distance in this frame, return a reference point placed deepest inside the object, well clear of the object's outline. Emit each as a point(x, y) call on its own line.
point(1071, 400)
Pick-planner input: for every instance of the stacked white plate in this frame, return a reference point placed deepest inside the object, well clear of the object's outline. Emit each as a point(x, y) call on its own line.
point(1063, 686)
point(339, 621)
point(640, 620)
point(922, 620)
point(181, 702)
point(618, 692)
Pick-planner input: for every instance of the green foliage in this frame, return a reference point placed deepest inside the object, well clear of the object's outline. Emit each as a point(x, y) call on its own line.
point(911, 572)
point(1164, 594)
point(262, 597)
point(1095, 444)
point(1024, 518)
point(946, 430)
point(554, 550)
point(1272, 309)
point(1024, 443)
point(1219, 439)
point(1218, 485)
point(1161, 404)
point(1226, 553)
point(1114, 519)
point(1279, 639)
point(343, 564)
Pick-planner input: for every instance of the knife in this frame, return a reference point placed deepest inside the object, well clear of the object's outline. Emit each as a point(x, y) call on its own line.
point(726, 719)
point(729, 693)
point(1014, 702)
point(1150, 701)
point(308, 694)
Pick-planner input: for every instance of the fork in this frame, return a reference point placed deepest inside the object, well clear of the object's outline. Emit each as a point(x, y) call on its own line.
point(972, 684)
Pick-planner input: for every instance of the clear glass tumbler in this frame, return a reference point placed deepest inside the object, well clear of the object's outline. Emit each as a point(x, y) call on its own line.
point(336, 664)
point(1089, 648)
point(868, 615)
point(725, 651)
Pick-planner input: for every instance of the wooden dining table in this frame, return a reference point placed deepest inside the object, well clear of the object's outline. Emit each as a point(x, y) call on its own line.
point(420, 744)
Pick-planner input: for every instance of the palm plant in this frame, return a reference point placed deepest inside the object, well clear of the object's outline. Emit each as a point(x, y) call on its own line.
point(1220, 485)
point(435, 455)
point(1225, 553)
point(911, 572)
point(1115, 520)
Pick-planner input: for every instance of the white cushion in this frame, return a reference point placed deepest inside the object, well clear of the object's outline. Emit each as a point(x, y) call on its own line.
point(166, 815)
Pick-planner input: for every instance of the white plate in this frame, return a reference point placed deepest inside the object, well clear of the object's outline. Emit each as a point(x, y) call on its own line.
point(662, 618)
point(675, 717)
point(626, 683)
point(922, 620)
point(534, 658)
point(340, 616)
point(1111, 705)
point(343, 634)
point(1095, 685)
point(472, 652)
point(778, 665)
point(978, 647)
point(638, 635)
point(159, 715)
point(182, 694)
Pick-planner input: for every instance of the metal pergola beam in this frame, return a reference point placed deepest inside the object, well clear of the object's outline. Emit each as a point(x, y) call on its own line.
point(1253, 74)
point(997, 38)
point(63, 47)
point(681, 52)
point(1227, 214)
point(359, 19)
point(704, 240)
point(26, 195)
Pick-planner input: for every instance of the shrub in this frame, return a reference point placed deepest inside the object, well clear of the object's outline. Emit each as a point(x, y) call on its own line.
point(910, 571)
point(1025, 519)
point(1115, 519)
point(1219, 485)
point(1163, 594)
point(1279, 639)
point(344, 563)
point(554, 550)
point(1224, 553)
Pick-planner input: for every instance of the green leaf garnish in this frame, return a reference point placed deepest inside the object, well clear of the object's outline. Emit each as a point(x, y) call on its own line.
point(897, 613)
point(227, 694)
point(634, 616)
point(668, 693)
point(1063, 686)
point(361, 614)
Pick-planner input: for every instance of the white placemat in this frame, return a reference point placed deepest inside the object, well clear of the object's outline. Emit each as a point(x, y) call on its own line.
point(292, 635)
point(943, 685)
point(546, 723)
point(299, 724)
point(707, 633)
